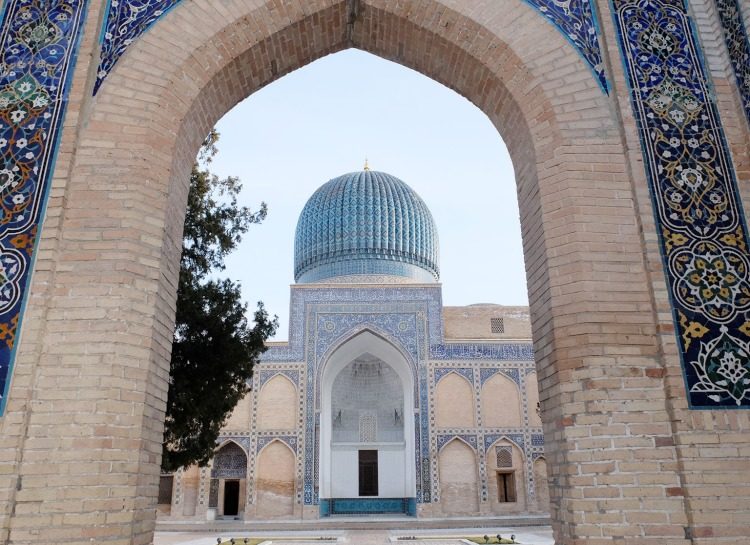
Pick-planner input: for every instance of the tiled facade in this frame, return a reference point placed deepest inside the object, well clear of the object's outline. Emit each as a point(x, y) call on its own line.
point(323, 318)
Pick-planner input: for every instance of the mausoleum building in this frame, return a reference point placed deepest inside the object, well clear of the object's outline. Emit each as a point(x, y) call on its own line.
point(383, 400)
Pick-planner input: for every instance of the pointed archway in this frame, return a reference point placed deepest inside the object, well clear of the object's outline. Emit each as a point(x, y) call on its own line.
point(126, 187)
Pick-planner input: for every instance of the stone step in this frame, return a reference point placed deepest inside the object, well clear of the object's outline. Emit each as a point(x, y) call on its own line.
point(352, 522)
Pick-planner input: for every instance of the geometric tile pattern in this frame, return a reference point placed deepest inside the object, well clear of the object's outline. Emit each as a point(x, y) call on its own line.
point(443, 438)
point(465, 372)
point(289, 440)
point(576, 20)
point(736, 38)
point(38, 44)
point(126, 20)
point(487, 373)
point(698, 213)
point(268, 374)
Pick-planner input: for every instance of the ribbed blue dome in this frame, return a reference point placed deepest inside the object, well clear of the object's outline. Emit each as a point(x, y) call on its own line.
point(367, 223)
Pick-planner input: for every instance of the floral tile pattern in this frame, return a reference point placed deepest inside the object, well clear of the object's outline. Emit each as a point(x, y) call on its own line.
point(576, 20)
point(128, 19)
point(125, 22)
point(736, 38)
point(693, 186)
point(39, 44)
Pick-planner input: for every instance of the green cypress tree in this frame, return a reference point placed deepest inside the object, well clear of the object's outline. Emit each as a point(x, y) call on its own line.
point(214, 348)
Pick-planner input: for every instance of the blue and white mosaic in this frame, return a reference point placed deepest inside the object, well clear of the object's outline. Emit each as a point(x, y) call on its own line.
point(486, 373)
point(288, 440)
point(126, 21)
point(518, 438)
point(445, 438)
point(738, 44)
point(699, 218)
point(466, 372)
point(576, 20)
point(268, 374)
point(38, 46)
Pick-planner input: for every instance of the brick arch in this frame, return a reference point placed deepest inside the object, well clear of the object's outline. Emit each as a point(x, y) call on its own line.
point(127, 186)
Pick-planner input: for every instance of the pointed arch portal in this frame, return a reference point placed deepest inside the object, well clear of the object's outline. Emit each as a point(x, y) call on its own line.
point(367, 434)
point(635, 240)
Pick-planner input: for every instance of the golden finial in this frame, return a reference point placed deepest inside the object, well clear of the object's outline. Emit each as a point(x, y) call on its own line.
point(367, 165)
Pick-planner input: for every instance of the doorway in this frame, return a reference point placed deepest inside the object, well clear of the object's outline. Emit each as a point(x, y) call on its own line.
point(231, 498)
point(368, 472)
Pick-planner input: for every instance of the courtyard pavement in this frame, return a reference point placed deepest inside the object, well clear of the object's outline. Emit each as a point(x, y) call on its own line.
point(527, 535)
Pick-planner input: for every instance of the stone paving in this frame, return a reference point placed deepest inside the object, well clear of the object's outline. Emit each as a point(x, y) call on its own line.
point(533, 535)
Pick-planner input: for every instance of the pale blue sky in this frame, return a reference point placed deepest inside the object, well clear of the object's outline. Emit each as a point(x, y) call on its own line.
point(321, 121)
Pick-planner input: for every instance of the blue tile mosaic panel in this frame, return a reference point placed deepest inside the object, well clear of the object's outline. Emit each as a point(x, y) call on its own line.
point(698, 214)
point(367, 506)
point(576, 20)
point(289, 440)
point(465, 351)
point(465, 372)
point(445, 438)
point(242, 440)
point(488, 372)
point(39, 46)
point(268, 374)
point(736, 38)
point(517, 438)
point(126, 21)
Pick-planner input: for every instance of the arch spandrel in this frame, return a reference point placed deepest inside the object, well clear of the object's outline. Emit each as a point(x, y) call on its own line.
point(575, 19)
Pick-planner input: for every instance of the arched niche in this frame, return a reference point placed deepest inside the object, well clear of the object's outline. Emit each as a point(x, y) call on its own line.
point(459, 479)
point(228, 480)
point(501, 403)
point(396, 467)
point(274, 481)
point(506, 478)
point(229, 461)
point(135, 142)
point(277, 404)
point(454, 402)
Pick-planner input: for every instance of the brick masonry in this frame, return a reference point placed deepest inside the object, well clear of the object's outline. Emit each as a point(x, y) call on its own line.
point(629, 461)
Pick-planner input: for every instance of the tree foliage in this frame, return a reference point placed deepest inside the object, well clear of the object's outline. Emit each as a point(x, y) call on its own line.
point(215, 347)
